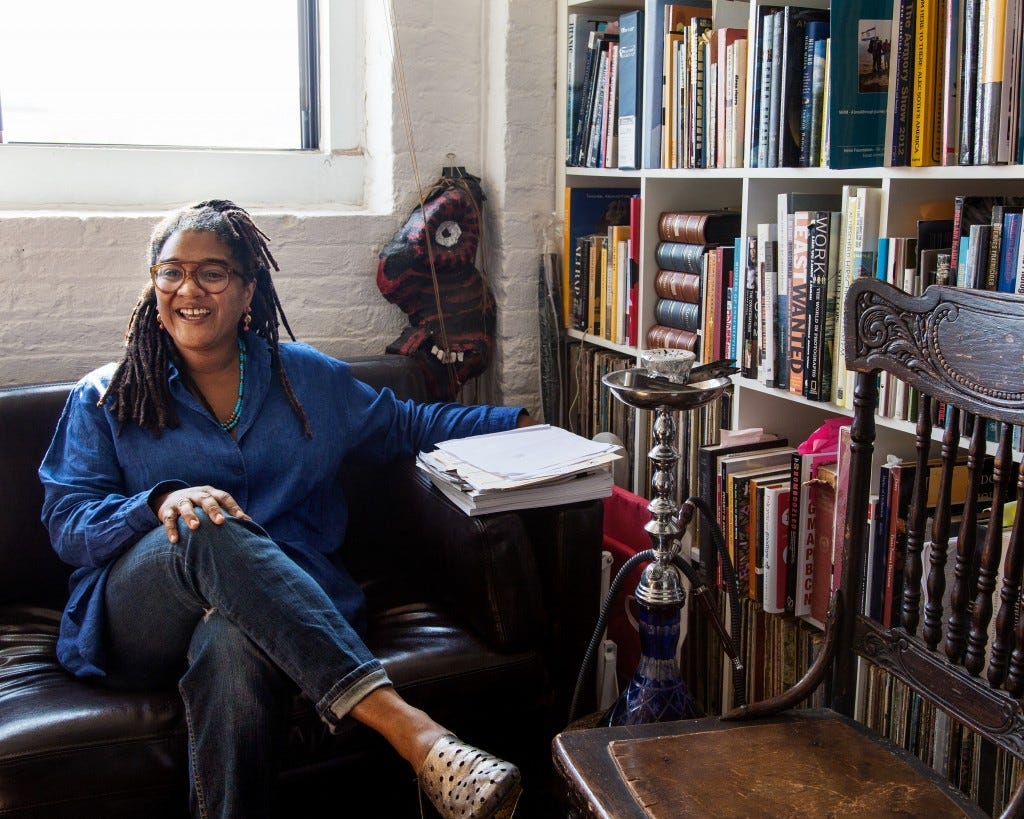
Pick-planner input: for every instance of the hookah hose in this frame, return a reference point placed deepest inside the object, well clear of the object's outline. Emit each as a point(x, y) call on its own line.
point(730, 641)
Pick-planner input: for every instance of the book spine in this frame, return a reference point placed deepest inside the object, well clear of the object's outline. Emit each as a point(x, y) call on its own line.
point(749, 354)
point(681, 315)
point(685, 257)
point(990, 79)
point(587, 99)
point(806, 83)
point(771, 569)
point(995, 238)
point(798, 301)
point(904, 82)
point(968, 82)
point(816, 387)
point(764, 90)
point(659, 336)
point(635, 212)
point(880, 548)
point(674, 284)
point(630, 89)
point(1008, 255)
point(578, 283)
point(818, 75)
point(793, 534)
point(922, 126)
point(774, 115)
point(699, 27)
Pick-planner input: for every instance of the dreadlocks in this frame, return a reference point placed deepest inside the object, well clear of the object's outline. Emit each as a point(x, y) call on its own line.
point(139, 385)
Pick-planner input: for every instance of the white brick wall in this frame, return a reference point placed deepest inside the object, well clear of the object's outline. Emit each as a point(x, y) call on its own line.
point(480, 83)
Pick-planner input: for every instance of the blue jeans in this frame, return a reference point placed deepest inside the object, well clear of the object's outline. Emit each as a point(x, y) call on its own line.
point(239, 625)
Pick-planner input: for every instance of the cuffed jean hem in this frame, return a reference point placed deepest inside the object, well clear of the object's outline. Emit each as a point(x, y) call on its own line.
point(346, 693)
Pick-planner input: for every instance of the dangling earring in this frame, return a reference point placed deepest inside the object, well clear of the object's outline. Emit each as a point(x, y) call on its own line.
point(247, 319)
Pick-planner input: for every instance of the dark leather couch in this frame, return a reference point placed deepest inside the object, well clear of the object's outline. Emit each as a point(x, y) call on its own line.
point(482, 621)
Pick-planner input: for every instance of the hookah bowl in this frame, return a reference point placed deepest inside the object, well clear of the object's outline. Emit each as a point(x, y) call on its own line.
point(657, 692)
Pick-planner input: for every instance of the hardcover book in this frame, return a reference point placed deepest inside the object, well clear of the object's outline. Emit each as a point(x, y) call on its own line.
point(683, 256)
point(675, 284)
point(858, 82)
point(699, 227)
point(631, 62)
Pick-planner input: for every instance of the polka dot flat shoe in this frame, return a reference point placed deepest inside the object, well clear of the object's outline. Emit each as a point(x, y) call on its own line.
point(463, 782)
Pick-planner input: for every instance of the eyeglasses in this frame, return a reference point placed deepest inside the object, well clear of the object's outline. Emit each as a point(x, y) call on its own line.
point(212, 277)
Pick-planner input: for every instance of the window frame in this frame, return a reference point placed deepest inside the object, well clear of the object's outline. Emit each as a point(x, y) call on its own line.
point(330, 177)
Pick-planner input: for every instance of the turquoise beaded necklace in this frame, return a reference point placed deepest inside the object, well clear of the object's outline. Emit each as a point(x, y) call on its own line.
point(236, 413)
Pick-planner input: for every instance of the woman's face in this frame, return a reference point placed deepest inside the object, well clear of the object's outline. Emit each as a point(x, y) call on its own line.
point(197, 321)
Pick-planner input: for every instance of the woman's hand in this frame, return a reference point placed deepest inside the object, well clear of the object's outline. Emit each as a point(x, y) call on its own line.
point(184, 502)
point(524, 420)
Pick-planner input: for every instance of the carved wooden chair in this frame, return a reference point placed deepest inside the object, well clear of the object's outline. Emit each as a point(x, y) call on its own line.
point(963, 351)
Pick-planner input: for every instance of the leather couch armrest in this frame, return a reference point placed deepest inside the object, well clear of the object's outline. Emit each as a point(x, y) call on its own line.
point(405, 534)
point(484, 566)
point(520, 579)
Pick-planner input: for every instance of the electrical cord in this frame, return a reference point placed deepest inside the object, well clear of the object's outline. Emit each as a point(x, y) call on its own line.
point(730, 638)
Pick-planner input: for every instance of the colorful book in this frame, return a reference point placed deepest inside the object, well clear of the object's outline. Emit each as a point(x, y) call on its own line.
point(798, 287)
point(749, 354)
point(926, 118)
point(699, 227)
point(775, 522)
point(823, 501)
point(860, 45)
point(630, 90)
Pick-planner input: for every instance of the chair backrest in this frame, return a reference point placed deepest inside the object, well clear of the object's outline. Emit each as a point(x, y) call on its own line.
point(956, 637)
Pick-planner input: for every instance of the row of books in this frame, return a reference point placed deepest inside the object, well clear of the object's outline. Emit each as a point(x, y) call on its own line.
point(782, 511)
point(799, 267)
point(771, 503)
point(985, 773)
point(695, 284)
point(601, 262)
point(876, 82)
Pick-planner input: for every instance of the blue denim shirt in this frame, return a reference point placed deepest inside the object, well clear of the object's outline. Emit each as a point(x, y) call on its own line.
point(98, 483)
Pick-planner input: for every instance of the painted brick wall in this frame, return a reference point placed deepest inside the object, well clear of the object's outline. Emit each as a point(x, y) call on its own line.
point(480, 83)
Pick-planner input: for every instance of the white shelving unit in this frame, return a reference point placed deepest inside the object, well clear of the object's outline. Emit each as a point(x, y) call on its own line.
point(753, 191)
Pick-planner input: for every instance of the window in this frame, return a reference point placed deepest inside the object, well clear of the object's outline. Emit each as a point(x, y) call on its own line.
point(120, 103)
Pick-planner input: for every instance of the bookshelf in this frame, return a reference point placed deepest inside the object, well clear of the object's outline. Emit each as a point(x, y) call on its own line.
point(753, 191)
point(906, 194)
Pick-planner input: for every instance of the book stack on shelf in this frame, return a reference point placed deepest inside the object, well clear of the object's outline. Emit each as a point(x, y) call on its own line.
point(871, 83)
point(695, 255)
point(600, 262)
point(523, 468)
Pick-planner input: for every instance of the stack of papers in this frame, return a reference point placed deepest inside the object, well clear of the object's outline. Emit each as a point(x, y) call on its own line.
point(523, 468)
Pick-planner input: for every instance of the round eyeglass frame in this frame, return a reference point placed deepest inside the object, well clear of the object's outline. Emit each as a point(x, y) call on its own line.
point(190, 269)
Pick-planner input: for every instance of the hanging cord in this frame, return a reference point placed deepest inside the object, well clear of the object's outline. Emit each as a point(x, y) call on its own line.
point(403, 104)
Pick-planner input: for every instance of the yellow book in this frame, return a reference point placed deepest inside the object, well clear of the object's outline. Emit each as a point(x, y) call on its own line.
point(617, 236)
point(923, 150)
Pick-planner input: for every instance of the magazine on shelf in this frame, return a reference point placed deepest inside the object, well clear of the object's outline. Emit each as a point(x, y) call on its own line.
point(533, 466)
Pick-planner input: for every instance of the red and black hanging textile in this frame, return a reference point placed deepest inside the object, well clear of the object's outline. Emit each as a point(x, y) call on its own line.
point(451, 332)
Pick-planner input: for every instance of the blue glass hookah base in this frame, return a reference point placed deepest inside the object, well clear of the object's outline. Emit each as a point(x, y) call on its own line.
point(657, 692)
